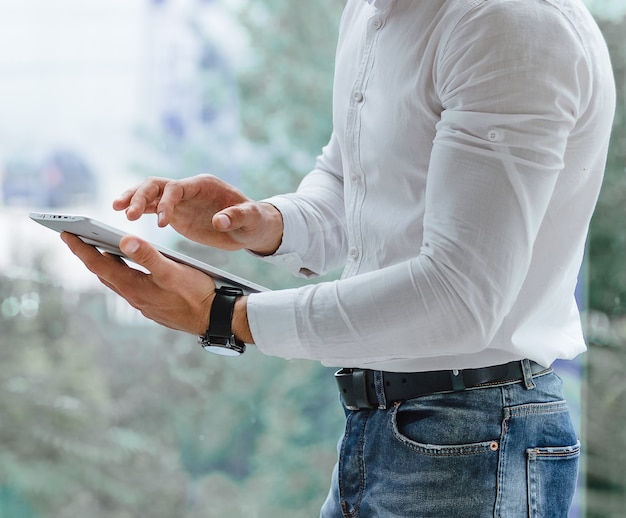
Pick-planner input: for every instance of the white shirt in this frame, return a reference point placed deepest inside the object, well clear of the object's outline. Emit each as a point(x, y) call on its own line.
point(469, 143)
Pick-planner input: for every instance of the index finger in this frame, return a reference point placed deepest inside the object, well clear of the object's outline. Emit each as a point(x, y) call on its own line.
point(173, 193)
point(101, 265)
point(142, 199)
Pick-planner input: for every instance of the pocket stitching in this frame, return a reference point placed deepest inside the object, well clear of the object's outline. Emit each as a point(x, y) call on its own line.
point(553, 452)
point(552, 407)
point(436, 450)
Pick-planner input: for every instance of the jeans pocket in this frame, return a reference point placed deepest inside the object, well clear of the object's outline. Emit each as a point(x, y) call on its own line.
point(552, 473)
point(442, 432)
point(445, 453)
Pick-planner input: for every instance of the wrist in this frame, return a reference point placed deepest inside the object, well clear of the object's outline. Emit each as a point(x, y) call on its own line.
point(272, 234)
point(220, 337)
point(240, 325)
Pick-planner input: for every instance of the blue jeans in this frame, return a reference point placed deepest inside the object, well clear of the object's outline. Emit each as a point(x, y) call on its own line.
point(507, 451)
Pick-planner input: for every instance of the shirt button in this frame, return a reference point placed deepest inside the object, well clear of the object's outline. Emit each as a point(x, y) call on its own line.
point(377, 24)
point(357, 95)
point(493, 135)
point(354, 252)
point(355, 178)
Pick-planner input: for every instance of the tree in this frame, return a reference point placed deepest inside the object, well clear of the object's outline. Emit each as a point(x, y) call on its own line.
point(57, 426)
point(605, 387)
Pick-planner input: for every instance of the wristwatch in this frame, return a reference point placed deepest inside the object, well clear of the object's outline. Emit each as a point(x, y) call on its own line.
point(219, 337)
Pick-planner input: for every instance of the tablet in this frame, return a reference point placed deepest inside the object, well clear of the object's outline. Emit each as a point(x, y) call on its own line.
point(107, 239)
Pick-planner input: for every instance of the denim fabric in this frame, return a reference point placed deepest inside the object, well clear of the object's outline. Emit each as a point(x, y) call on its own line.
point(508, 452)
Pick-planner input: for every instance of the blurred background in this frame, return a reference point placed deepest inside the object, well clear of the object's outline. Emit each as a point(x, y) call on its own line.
point(102, 413)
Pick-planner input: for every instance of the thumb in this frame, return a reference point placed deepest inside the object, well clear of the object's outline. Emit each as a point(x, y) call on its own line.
point(222, 222)
point(236, 217)
point(143, 253)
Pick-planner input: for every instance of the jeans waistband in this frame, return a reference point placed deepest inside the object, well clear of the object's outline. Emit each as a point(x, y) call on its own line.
point(362, 388)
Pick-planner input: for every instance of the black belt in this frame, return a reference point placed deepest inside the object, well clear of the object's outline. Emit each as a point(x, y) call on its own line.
point(358, 388)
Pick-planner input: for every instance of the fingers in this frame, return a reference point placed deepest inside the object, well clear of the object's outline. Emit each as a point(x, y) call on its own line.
point(257, 226)
point(204, 188)
point(95, 261)
point(171, 294)
point(142, 199)
point(173, 193)
point(144, 254)
point(161, 196)
point(110, 269)
point(123, 201)
point(203, 208)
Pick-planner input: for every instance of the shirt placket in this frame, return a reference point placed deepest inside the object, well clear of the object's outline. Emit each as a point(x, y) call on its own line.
point(356, 181)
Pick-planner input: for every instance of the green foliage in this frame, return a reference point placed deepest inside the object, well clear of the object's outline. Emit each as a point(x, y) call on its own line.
point(605, 387)
point(607, 9)
point(107, 419)
point(287, 92)
point(607, 244)
point(54, 402)
point(604, 395)
point(13, 505)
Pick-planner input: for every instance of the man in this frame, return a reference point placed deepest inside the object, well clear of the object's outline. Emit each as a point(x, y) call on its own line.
point(467, 154)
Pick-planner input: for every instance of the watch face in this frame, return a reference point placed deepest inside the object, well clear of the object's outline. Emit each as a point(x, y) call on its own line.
point(223, 351)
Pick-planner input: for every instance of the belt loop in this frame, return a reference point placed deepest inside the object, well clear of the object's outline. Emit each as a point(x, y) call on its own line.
point(456, 377)
point(379, 387)
point(528, 375)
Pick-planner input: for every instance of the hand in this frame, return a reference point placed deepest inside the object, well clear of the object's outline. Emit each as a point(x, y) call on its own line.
point(172, 294)
point(206, 210)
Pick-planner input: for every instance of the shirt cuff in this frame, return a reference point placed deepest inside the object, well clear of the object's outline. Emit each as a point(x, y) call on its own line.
point(292, 262)
point(293, 244)
point(272, 321)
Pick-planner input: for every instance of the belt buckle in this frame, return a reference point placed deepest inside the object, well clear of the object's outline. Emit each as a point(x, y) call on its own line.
point(353, 388)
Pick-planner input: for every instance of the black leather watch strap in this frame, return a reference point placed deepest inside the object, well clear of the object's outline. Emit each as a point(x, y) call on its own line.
point(219, 337)
point(221, 319)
